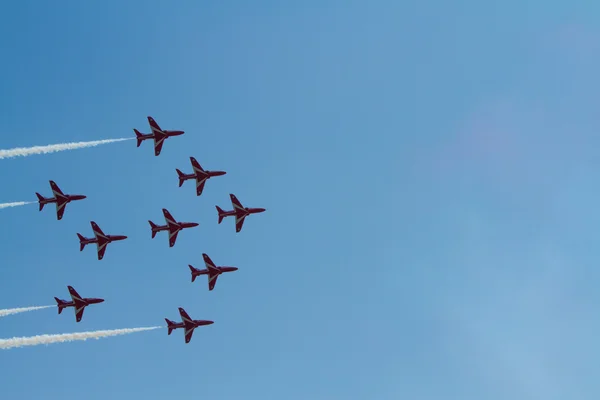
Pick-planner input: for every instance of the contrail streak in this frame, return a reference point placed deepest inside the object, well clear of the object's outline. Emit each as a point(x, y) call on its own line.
point(52, 148)
point(67, 337)
point(10, 311)
point(16, 204)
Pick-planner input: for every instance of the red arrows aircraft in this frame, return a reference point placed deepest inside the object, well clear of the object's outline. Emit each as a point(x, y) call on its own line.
point(187, 323)
point(200, 175)
point(59, 198)
point(101, 240)
point(239, 211)
point(211, 270)
point(78, 303)
point(159, 135)
point(172, 226)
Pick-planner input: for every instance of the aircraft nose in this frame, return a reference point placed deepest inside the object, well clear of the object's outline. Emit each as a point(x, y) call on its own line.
point(194, 224)
point(83, 197)
point(234, 268)
point(210, 322)
point(100, 300)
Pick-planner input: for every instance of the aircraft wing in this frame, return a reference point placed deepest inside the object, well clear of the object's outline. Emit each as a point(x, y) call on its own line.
point(101, 249)
point(158, 143)
point(79, 311)
point(172, 238)
point(196, 165)
point(60, 209)
point(188, 334)
point(237, 205)
point(184, 316)
point(200, 181)
point(239, 221)
point(212, 281)
point(56, 190)
point(153, 125)
point(168, 217)
point(74, 295)
point(97, 231)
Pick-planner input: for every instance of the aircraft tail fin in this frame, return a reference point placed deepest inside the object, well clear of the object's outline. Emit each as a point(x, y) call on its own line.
point(194, 272)
point(153, 227)
point(41, 199)
point(170, 326)
point(82, 241)
point(139, 137)
point(221, 212)
point(181, 177)
point(60, 303)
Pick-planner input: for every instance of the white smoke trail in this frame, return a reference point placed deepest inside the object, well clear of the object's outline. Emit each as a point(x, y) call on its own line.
point(67, 337)
point(16, 204)
point(51, 148)
point(10, 311)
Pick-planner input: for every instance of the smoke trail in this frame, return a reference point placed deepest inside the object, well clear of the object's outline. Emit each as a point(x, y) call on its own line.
point(67, 337)
point(51, 148)
point(10, 311)
point(16, 204)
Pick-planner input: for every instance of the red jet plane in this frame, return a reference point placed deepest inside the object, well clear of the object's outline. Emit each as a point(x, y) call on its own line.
point(101, 240)
point(211, 270)
point(200, 175)
point(172, 226)
point(78, 303)
point(59, 198)
point(187, 323)
point(159, 135)
point(239, 211)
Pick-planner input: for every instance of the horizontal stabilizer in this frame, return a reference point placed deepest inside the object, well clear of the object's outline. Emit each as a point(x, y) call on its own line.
point(153, 227)
point(41, 199)
point(181, 177)
point(139, 137)
point(82, 241)
point(221, 212)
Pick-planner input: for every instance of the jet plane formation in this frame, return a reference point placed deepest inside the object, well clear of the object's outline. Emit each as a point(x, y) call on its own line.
point(198, 175)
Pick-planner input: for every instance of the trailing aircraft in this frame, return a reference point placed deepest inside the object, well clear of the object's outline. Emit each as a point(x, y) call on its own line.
point(172, 226)
point(211, 270)
point(100, 238)
point(59, 198)
point(159, 135)
point(199, 175)
point(77, 302)
point(187, 324)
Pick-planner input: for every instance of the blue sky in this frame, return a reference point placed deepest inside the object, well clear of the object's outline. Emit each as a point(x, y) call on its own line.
point(429, 172)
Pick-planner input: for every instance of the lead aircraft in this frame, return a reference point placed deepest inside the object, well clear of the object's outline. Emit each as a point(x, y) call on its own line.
point(100, 238)
point(59, 198)
point(187, 324)
point(159, 135)
point(77, 302)
point(172, 226)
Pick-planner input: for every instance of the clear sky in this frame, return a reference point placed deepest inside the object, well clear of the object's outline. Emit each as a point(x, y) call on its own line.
point(429, 170)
